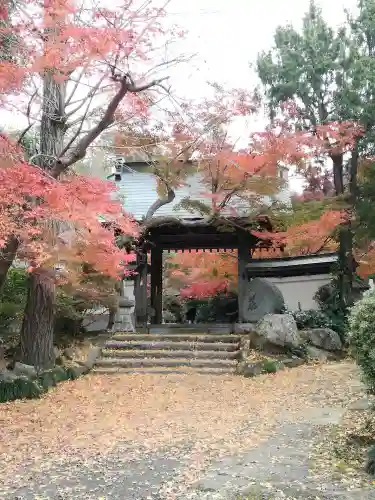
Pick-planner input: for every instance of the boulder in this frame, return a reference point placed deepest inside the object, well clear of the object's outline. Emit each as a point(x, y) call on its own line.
point(278, 329)
point(7, 376)
point(316, 354)
point(69, 353)
point(244, 347)
point(252, 369)
point(245, 327)
point(293, 362)
point(322, 355)
point(27, 370)
point(92, 356)
point(75, 371)
point(323, 338)
point(261, 297)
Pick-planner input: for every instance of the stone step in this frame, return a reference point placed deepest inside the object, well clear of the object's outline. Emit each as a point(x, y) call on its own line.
point(132, 353)
point(171, 345)
point(165, 362)
point(224, 328)
point(183, 370)
point(188, 337)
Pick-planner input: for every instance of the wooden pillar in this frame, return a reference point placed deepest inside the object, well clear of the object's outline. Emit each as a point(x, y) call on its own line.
point(157, 285)
point(244, 245)
point(140, 291)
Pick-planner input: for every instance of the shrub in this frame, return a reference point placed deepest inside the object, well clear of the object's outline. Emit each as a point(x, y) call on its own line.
point(172, 309)
point(269, 366)
point(24, 388)
point(69, 314)
point(311, 319)
point(12, 299)
point(370, 465)
point(21, 388)
point(221, 308)
point(362, 337)
point(328, 298)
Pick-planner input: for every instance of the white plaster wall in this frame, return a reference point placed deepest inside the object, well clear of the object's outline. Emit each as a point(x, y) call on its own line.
point(298, 291)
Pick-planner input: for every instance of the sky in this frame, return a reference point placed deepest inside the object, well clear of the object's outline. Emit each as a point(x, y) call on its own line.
point(228, 35)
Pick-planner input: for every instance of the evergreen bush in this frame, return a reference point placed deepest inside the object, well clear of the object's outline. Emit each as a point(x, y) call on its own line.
point(362, 337)
point(24, 388)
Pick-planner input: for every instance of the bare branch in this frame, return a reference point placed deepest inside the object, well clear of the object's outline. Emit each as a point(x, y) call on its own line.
point(78, 131)
point(89, 96)
point(76, 83)
point(160, 202)
point(24, 133)
point(80, 150)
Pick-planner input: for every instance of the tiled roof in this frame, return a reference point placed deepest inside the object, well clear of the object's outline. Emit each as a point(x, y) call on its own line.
point(138, 190)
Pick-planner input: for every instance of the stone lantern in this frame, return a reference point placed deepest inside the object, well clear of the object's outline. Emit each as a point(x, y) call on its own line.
point(124, 321)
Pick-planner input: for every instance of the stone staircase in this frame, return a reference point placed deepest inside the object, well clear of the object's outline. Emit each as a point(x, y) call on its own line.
point(172, 350)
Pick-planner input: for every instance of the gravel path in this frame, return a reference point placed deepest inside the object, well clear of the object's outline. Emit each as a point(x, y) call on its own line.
point(163, 437)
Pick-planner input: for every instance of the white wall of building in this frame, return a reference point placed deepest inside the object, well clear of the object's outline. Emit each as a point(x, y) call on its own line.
point(299, 291)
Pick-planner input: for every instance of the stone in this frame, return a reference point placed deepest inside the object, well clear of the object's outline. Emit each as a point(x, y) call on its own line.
point(278, 329)
point(78, 370)
point(92, 356)
point(244, 347)
point(323, 338)
point(361, 404)
point(124, 321)
point(316, 354)
point(293, 362)
point(261, 297)
point(245, 327)
point(22, 369)
point(125, 302)
point(252, 369)
point(7, 376)
point(69, 353)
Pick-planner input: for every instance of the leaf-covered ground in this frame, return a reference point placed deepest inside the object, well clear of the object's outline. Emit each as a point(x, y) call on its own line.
point(101, 426)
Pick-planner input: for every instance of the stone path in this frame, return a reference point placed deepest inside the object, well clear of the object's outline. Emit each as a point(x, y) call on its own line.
point(276, 468)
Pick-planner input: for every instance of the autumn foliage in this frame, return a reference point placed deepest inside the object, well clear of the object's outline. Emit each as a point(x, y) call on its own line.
point(60, 222)
point(71, 68)
point(202, 274)
point(250, 175)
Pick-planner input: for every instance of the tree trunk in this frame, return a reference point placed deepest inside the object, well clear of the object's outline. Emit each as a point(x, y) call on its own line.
point(346, 258)
point(345, 278)
point(37, 327)
point(7, 255)
point(338, 173)
point(346, 271)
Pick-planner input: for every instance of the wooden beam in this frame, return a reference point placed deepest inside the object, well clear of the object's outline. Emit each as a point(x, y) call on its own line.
point(140, 291)
point(243, 259)
point(157, 285)
point(196, 242)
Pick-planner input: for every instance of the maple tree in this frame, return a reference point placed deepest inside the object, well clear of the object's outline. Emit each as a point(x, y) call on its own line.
point(254, 175)
point(75, 71)
point(200, 274)
point(62, 231)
